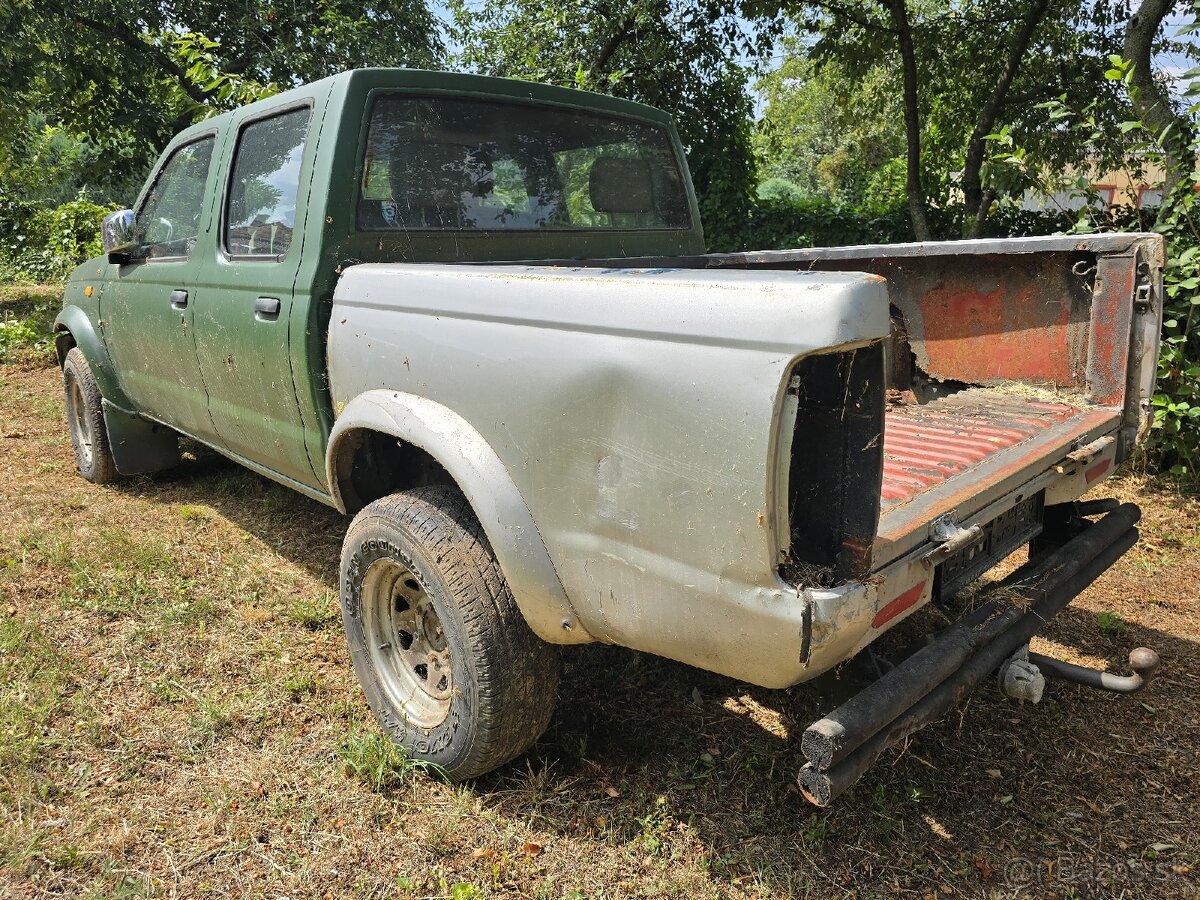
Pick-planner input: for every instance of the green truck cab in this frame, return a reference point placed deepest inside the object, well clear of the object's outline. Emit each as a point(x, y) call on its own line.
point(477, 315)
point(197, 224)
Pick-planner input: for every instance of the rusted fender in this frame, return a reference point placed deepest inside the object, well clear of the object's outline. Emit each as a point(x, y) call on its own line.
point(482, 477)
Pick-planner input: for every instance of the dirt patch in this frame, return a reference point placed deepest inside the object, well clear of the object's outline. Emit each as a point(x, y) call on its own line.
point(178, 717)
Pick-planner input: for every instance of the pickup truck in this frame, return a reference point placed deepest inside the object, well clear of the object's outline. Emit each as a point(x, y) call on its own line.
point(476, 314)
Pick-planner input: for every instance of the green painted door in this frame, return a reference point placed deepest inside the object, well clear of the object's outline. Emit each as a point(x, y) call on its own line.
point(147, 312)
point(242, 327)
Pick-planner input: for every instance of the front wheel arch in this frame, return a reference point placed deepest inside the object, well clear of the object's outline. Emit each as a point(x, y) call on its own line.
point(64, 342)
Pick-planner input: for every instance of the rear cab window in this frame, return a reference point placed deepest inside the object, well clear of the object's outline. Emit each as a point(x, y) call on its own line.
point(169, 219)
point(454, 164)
point(260, 211)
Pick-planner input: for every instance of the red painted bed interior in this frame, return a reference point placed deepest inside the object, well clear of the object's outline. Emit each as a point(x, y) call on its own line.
point(926, 445)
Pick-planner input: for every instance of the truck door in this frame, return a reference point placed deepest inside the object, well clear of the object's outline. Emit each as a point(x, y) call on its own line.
point(148, 310)
point(242, 328)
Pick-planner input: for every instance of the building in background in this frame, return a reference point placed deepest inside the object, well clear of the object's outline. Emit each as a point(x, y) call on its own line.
point(1120, 187)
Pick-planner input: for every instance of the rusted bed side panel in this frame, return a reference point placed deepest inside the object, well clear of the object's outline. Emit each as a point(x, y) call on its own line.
point(1115, 285)
point(992, 318)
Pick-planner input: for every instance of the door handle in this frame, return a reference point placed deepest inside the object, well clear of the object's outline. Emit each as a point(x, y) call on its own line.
point(267, 307)
point(179, 299)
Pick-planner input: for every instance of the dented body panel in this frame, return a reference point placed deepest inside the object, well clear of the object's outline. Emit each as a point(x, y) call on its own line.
point(636, 411)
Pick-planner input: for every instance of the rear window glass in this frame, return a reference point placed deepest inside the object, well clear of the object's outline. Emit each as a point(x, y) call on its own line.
point(434, 163)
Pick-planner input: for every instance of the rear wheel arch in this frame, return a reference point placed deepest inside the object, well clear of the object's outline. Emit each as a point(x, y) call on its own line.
point(386, 441)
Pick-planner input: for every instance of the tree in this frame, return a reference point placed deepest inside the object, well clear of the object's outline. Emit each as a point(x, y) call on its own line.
point(690, 59)
point(826, 135)
point(968, 68)
point(1169, 127)
point(976, 200)
point(858, 34)
point(127, 75)
point(898, 15)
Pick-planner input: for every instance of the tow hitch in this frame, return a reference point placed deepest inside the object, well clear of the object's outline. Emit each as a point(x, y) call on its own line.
point(918, 691)
point(1142, 660)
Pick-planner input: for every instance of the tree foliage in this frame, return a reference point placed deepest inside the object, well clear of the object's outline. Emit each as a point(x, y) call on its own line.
point(125, 76)
point(979, 66)
point(831, 137)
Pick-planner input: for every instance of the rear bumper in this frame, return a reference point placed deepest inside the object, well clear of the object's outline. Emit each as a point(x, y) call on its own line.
point(919, 690)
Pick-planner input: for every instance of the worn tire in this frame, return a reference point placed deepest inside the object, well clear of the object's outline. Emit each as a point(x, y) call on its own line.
point(85, 420)
point(503, 678)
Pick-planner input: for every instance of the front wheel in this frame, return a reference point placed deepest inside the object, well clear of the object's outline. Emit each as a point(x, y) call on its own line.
point(85, 419)
point(445, 658)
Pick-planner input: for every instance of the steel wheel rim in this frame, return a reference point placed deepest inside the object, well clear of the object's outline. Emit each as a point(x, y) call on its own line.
point(81, 424)
point(406, 643)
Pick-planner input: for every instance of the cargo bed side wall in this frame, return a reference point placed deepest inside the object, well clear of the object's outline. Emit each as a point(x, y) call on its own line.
point(993, 319)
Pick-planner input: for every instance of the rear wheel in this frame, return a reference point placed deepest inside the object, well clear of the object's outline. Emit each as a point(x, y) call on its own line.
point(445, 658)
point(85, 419)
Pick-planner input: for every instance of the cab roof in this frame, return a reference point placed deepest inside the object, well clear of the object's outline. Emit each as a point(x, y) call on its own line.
point(424, 80)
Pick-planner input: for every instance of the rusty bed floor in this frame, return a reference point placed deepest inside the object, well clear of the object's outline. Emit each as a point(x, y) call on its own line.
point(960, 452)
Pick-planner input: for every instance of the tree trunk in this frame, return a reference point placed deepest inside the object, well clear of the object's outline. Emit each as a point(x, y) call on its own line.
point(976, 201)
point(614, 42)
point(1172, 132)
point(913, 189)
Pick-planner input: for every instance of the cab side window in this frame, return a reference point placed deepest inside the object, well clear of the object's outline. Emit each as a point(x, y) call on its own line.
point(169, 220)
point(260, 214)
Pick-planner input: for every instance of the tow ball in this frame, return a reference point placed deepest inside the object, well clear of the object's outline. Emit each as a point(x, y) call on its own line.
point(1023, 675)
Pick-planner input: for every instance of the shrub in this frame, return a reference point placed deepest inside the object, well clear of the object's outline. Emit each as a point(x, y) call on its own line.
point(1176, 402)
point(779, 220)
point(44, 245)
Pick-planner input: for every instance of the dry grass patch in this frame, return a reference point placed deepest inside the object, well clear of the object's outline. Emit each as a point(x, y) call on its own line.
point(178, 718)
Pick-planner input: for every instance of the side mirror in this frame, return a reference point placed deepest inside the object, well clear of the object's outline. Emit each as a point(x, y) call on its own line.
point(119, 237)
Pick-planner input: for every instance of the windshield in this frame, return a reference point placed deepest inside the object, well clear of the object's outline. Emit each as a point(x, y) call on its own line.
point(486, 165)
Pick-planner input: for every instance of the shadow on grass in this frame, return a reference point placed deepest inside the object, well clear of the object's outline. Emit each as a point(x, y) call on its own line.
point(672, 761)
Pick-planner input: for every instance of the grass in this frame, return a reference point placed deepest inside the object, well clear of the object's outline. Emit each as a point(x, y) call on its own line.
point(179, 717)
point(316, 612)
point(377, 761)
point(1110, 623)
